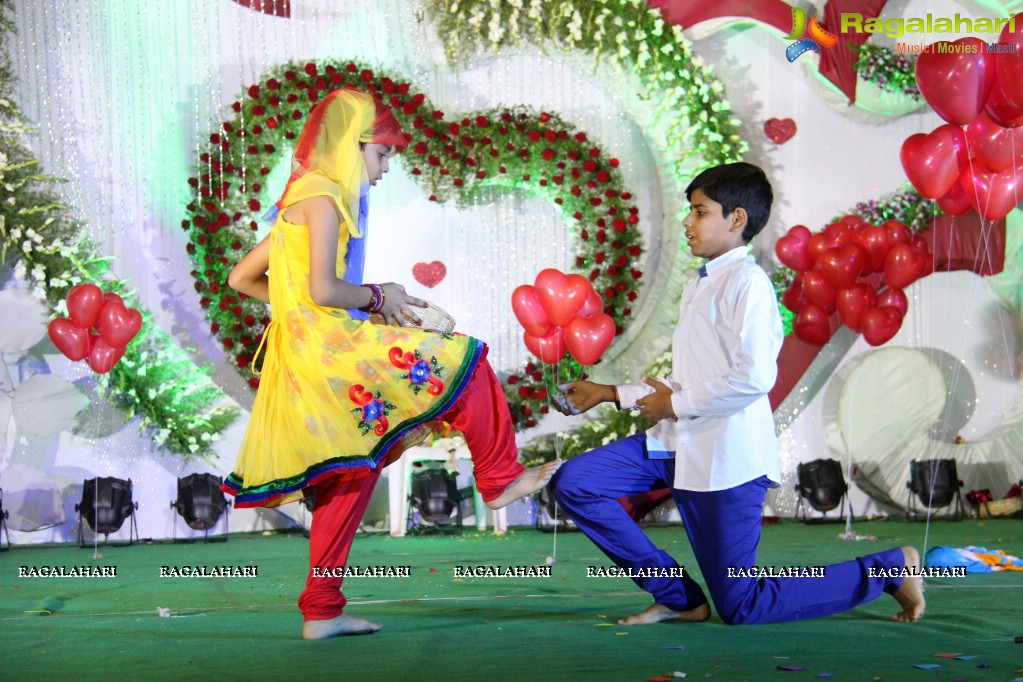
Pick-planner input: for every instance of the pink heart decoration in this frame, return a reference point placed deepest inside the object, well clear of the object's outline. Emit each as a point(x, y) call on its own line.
point(588, 337)
point(550, 348)
point(561, 295)
point(118, 325)
point(69, 338)
point(881, 324)
point(779, 130)
point(429, 274)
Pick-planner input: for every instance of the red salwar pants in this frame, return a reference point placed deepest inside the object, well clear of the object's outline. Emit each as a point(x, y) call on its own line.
point(481, 414)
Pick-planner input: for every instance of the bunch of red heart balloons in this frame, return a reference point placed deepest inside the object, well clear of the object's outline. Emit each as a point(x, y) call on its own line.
point(97, 329)
point(840, 270)
point(976, 159)
point(562, 313)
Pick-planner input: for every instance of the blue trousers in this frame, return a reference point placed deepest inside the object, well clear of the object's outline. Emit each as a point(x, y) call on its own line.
point(724, 530)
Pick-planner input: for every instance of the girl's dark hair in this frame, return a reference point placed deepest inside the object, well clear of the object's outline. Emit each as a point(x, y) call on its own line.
point(735, 185)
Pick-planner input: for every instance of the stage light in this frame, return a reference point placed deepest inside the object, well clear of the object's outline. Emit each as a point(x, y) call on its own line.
point(821, 485)
point(435, 497)
point(106, 503)
point(936, 484)
point(200, 501)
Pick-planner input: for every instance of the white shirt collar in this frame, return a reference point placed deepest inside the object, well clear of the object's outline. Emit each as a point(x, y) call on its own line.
point(727, 258)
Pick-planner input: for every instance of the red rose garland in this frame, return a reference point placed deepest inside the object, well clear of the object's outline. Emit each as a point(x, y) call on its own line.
point(512, 147)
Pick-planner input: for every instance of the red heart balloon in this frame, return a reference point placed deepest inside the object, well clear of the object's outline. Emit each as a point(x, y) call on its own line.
point(991, 143)
point(930, 162)
point(103, 356)
point(819, 290)
point(561, 295)
point(893, 298)
point(592, 306)
point(111, 296)
point(69, 338)
point(84, 302)
point(588, 337)
point(794, 297)
point(429, 274)
point(118, 325)
point(881, 324)
point(998, 107)
point(853, 302)
point(955, 202)
point(529, 312)
point(853, 221)
point(875, 240)
point(956, 78)
point(897, 232)
point(812, 325)
point(1009, 64)
point(992, 194)
point(958, 137)
point(824, 240)
point(903, 266)
point(792, 252)
point(550, 348)
point(843, 265)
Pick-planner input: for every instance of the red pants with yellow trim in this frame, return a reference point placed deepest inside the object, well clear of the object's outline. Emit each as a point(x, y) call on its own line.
point(481, 414)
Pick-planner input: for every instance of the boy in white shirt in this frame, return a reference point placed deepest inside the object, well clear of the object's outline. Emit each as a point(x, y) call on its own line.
point(714, 441)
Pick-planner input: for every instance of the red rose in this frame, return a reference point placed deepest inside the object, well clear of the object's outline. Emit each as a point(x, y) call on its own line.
point(254, 205)
point(272, 84)
point(590, 166)
point(310, 69)
point(534, 135)
point(271, 123)
point(253, 91)
point(482, 122)
point(544, 117)
point(320, 84)
point(618, 224)
point(602, 176)
point(548, 154)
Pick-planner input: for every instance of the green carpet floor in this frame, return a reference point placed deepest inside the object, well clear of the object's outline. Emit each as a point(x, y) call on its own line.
point(439, 627)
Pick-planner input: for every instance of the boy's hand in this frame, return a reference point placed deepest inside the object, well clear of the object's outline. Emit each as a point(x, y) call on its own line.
point(584, 395)
point(657, 405)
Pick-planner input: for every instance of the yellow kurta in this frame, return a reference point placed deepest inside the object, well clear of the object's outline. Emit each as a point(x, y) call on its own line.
point(337, 394)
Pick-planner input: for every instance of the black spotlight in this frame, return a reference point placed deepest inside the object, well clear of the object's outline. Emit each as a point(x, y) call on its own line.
point(821, 486)
point(4, 514)
point(435, 496)
point(936, 483)
point(201, 502)
point(106, 503)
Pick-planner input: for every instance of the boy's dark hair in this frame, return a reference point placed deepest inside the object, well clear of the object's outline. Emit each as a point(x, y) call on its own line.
point(735, 185)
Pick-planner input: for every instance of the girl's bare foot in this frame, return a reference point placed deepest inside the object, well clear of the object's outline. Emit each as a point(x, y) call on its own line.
point(338, 627)
point(911, 593)
point(531, 480)
point(656, 613)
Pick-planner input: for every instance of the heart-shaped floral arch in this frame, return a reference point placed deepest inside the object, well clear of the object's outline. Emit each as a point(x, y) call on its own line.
point(451, 159)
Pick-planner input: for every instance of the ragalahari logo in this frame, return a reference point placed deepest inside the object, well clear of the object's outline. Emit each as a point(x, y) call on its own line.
point(818, 36)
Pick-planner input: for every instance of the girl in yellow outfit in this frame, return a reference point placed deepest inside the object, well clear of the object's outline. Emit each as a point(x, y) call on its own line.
point(340, 398)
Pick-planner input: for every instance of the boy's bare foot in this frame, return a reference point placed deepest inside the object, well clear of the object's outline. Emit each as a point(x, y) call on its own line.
point(911, 593)
point(531, 480)
point(338, 627)
point(656, 613)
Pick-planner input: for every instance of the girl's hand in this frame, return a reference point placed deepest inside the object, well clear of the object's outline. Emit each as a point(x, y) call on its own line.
point(397, 308)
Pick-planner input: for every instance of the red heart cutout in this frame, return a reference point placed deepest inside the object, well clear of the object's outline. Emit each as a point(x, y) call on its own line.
point(881, 324)
point(561, 295)
point(118, 325)
point(550, 348)
point(69, 338)
point(84, 302)
point(780, 130)
point(588, 337)
point(429, 274)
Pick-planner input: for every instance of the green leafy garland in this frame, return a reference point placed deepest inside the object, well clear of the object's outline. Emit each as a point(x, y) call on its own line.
point(629, 33)
point(537, 153)
point(887, 69)
point(156, 381)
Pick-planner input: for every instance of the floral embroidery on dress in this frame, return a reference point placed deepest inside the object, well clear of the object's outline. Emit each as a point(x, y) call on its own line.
point(420, 371)
point(373, 409)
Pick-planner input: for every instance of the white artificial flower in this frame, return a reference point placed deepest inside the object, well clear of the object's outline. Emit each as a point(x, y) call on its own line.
point(20, 270)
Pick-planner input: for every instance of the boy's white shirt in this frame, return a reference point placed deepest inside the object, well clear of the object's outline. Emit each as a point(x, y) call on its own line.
point(724, 361)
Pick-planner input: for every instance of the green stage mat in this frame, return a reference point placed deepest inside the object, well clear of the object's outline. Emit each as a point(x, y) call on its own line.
point(439, 626)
